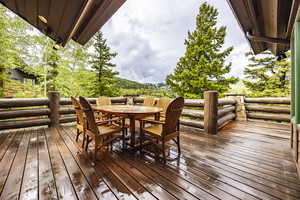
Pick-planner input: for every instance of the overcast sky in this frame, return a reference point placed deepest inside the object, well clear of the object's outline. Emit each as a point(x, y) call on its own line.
point(149, 37)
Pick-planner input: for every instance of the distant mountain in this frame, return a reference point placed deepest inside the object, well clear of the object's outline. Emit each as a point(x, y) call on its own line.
point(128, 84)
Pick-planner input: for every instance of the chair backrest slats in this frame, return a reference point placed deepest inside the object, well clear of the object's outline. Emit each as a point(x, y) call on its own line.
point(78, 111)
point(173, 114)
point(103, 101)
point(89, 114)
point(163, 103)
point(149, 101)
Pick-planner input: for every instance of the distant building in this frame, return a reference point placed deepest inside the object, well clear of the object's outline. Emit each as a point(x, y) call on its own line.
point(23, 77)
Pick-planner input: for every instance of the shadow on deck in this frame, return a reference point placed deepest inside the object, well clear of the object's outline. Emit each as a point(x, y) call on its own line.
point(246, 160)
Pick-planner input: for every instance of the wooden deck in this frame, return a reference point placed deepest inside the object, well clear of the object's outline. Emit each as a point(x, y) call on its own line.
point(247, 160)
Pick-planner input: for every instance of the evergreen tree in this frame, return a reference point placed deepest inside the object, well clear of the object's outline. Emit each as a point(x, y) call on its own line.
point(265, 76)
point(203, 66)
point(102, 65)
point(53, 60)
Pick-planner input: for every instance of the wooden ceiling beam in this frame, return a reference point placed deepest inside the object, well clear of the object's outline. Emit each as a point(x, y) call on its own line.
point(100, 16)
point(66, 19)
point(269, 40)
point(87, 8)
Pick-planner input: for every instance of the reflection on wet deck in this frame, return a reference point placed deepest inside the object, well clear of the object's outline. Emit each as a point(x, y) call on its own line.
point(246, 160)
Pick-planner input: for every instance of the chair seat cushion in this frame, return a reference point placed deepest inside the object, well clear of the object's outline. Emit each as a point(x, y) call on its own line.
point(154, 129)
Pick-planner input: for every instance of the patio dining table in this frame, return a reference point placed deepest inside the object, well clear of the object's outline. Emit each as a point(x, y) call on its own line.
point(132, 112)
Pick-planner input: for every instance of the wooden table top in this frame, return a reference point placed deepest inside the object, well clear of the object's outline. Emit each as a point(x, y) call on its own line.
point(128, 109)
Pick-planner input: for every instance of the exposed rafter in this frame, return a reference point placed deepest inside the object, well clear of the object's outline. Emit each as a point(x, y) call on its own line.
point(65, 19)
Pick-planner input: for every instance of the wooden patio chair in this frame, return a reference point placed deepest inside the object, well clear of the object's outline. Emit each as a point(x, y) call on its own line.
point(162, 132)
point(149, 101)
point(80, 126)
point(103, 134)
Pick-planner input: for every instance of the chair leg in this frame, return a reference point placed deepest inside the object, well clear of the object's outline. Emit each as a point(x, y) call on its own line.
point(83, 141)
point(123, 138)
point(77, 136)
point(111, 144)
point(87, 142)
point(178, 145)
point(95, 151)
point(141, 141)
point(164, 152)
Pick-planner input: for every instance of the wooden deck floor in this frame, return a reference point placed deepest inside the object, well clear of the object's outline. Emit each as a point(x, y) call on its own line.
point(249, 160)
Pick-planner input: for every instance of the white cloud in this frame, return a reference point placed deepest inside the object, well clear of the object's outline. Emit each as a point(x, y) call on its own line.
point(149, 36)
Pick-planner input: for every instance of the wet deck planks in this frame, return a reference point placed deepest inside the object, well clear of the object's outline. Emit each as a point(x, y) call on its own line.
point(246, 160)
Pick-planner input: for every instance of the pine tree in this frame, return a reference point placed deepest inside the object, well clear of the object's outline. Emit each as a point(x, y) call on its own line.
point(203, 66)
point(53, 60)
point(265, 76)
point(102, 65)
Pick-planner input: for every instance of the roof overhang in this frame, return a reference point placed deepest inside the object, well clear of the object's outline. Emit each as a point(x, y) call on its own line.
point(267, 24)
point(65, 19)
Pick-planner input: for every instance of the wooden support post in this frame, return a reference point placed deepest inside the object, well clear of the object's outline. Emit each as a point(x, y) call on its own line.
point(297, 73)
point(211, 112)
point(240, 109)
point(54, 116)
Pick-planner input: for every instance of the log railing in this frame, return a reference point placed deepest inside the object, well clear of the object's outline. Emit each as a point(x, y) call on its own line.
point(275, 109)
point(210, 113)
point(226, 111)
point(51, 111)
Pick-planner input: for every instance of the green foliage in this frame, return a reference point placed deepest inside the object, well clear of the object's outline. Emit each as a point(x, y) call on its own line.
point(265, 76)
point(203, 66)
point(21, 90)
point(9, 51)
point(101, 64)
point(238, 88)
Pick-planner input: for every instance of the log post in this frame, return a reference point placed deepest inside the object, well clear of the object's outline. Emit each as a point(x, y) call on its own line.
point(54, 98)
point(211, 112)
point(240, 109)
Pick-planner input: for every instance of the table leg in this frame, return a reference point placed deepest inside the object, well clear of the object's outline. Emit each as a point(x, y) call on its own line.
point(157, 116)
point(132, 131)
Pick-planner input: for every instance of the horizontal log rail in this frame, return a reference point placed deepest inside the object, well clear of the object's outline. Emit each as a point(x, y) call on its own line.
point(193, 113)
point(67, 119)
point(268, 109)
point(22, 102)
point(268, 100)
point(226, 110)
point(267, 116)
point(66, 111)
point(20, 113)
point(226, 101)
point(228, 117)
point(194, 102)
point(13, 124)
point(192, 123)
